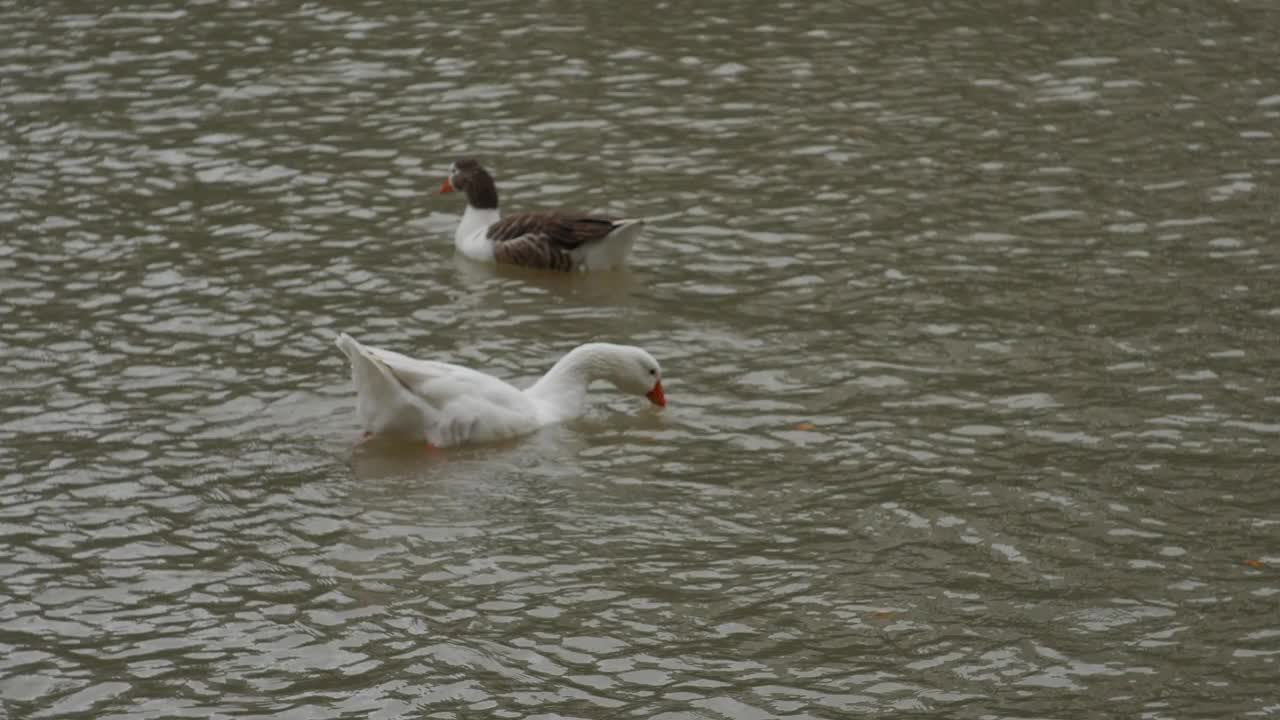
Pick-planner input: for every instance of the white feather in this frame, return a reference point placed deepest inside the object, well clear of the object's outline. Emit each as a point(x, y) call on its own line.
point(449, 405)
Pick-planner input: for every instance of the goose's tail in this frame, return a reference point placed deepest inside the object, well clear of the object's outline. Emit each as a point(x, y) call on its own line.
point(368, 372)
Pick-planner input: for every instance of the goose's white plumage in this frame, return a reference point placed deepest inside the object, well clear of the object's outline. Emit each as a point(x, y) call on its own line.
point(449, 405)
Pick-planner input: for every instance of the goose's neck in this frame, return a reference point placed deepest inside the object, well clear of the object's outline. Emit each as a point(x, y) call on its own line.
point(482, 211)
point(474, 226)
point(564, 388)
point(482, 191)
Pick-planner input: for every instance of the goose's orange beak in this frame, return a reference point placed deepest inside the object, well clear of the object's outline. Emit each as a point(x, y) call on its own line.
point(446, 187)
point(656, 396)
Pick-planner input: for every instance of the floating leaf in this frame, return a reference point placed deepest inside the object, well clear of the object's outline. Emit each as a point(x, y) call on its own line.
point(806, 426)
point(1255, 564)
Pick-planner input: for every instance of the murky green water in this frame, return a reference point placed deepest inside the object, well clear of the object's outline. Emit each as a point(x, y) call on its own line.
point(968, 312)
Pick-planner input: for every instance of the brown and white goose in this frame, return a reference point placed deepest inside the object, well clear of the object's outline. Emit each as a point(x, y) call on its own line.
point(543, 240)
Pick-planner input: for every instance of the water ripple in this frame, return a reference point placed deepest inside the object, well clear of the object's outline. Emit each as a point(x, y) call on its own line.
point(966, 313)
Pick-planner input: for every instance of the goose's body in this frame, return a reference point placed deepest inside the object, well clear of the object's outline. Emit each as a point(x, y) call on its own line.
point(543, 240)
point(449, 405)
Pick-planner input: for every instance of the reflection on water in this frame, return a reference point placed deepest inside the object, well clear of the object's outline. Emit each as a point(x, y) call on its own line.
point(601, 292)
point(967, 314)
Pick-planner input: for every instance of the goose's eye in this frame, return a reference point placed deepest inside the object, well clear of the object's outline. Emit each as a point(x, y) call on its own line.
point(652, 371)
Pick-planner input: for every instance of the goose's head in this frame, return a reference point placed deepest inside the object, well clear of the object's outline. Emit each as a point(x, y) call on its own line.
point(466, 175)
point(634, 371)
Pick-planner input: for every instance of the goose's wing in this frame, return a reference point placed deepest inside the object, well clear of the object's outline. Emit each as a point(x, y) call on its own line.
point(547, 240)
point(465, 405)
point(439, 383)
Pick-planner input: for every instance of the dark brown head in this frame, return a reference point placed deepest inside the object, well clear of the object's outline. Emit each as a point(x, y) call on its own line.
point(466, 175)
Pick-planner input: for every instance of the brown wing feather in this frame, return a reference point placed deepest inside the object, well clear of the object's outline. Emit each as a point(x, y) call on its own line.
point(566, 231)
point(534, 250)
point(546, 240)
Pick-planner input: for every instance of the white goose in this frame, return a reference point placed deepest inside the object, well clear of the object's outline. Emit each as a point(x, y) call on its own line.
point(452, 405)
point(543, 240)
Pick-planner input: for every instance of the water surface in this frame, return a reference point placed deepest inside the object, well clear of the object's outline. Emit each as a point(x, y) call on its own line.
point(968, 315)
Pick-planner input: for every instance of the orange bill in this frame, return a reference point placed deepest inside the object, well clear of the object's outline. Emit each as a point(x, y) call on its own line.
point(656, 396)
point(447, 187)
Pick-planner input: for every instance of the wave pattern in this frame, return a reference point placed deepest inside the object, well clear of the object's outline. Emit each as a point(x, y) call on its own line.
point(968, 313)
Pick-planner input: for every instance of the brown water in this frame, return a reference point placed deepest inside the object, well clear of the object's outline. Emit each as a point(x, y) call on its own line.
point(969, 315)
